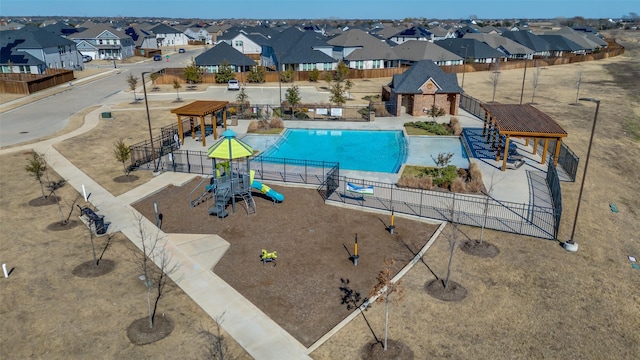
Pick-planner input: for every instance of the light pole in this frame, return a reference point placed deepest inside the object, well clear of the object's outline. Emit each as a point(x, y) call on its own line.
point(523, 77)
point(146, 104)
point(464, 63)
point(570, 244)
point(279, 81)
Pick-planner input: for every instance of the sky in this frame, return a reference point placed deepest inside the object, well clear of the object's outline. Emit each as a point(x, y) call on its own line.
point(318, 9)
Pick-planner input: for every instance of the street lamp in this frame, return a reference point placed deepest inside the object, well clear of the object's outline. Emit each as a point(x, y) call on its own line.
point(464, 63)
point(146, 104)
point(570, 244)
point(523, 77)
point(279, 81)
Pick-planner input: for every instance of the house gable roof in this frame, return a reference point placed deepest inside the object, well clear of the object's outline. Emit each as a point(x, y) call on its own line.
point(33, 38)
point(297, 47)
point(530, 40)
point(470, 48)
point(412, 80)
point(416, 32)
point(561, 43)
point(164, 29)
point(416, 50)
point(223, 52)
point(497, 41)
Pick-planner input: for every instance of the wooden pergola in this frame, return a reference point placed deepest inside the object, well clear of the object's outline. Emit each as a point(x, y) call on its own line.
point(200, 109)
point(521, 121)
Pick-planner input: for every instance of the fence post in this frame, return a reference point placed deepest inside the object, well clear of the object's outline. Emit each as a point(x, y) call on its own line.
point(188, 163)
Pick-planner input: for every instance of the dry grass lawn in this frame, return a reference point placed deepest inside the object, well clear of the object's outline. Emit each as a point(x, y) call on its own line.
point(534, 300)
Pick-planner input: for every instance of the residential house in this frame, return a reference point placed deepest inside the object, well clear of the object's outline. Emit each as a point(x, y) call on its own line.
point(588, 41)
point(248, 44)
point(508, 47)
point(413, 33)
point(142, 38)
point(168, 36)
point(297, 50)
point(472, 50)
point(534, 42)
point(31, 50)
point(413, 51)
point(440, 33)
point(211, 59)
point(560, 45)
point(419, 88)
point(199, 34)
point(360, 50)
point(101, 41)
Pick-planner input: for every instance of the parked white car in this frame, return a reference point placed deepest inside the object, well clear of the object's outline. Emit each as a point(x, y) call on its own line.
point(233, 85)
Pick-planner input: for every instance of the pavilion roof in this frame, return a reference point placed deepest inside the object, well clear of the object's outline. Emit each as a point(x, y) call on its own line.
point(523, 120)
point(200, 108)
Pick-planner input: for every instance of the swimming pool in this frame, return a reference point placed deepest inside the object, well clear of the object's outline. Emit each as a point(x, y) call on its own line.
point(421, 148)
point(361, 150)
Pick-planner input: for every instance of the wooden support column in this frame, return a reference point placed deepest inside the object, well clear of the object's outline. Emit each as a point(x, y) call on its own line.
point(214, 122)
point(544, 151)
point(180, 132)
point(556, 153)
point(535, 146)
point(224, 117)
point(203, 133)
point(526, 142)
point(484, 124)
point(506, 153)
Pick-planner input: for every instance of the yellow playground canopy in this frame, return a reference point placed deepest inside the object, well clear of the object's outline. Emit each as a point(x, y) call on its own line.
point(228, 147)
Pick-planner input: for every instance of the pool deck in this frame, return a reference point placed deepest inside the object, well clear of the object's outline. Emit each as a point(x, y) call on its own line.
point(513, 185)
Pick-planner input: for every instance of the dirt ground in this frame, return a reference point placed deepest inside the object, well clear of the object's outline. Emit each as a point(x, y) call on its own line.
point(534, 300)
point(314, 244)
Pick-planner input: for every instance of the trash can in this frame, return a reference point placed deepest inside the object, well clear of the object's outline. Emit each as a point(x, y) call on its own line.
point(106, 115)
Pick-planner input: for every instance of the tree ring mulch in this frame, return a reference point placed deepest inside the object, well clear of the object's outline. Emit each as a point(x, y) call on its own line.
point(455, 291)
point(88, 269)
point(126, 178)
point(139, 332)
point(395, 350)
point(59, 226)
point(480, 249)
point(40, 201)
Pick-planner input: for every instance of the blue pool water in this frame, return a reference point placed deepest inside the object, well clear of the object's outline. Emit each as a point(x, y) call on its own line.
point(361, 150)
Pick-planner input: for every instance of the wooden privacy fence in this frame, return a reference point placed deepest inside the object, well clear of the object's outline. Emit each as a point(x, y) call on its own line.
point(26, 84)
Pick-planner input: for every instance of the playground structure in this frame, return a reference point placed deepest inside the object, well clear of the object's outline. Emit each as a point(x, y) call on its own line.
point(226, 183)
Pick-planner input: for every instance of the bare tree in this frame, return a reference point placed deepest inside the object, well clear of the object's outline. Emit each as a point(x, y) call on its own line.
point(216, 348)
point(385, 286)
point(487, 194)
point(156, 265)
point(578, 83)
point(442, 161)
point(495, 79)
point(535, 81)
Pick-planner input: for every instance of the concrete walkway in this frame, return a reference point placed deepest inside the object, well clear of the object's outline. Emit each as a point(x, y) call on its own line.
point(195, 254)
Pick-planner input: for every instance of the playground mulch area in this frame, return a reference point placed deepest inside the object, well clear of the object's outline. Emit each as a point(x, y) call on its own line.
point(304, 292)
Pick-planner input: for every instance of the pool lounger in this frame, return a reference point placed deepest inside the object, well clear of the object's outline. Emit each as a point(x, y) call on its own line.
point(365, 190)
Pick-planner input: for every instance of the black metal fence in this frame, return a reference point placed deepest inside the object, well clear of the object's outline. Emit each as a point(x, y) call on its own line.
point(526, 219)
point(553, 181)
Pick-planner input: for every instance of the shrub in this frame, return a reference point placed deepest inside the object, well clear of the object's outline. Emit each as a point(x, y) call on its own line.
point(276, 123)
point(459, 185)
point(475, 185)
point(426, 183)
point(457, 129)
point(253, 126)
point(314, 75)
point(463, 173)
point(430, 127)
point(449, 173)
point(286, 76)
point(454, 121)
point(232, 111)
point(474, 171)
point(257, 74)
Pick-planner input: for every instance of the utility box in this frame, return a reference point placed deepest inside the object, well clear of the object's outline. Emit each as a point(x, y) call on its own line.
point(106, 115)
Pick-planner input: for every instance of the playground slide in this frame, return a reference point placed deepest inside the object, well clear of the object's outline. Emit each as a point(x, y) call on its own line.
point(276, 196)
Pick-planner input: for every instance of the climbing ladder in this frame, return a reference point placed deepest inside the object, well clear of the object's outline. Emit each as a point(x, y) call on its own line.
point(249, 203)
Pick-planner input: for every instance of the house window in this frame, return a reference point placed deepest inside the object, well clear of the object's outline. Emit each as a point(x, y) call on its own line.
point(376, 64)
point(359, 65)
point(61, 50)
point(5, 69)
point(308, 67)
point(327, 66)
point(25, 69)
point(239, 43)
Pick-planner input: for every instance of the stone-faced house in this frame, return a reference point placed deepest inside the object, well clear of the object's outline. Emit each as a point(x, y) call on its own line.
point(420, 87)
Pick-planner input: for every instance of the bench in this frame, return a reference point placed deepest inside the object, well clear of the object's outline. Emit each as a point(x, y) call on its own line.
point(95, 219)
